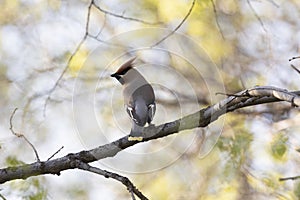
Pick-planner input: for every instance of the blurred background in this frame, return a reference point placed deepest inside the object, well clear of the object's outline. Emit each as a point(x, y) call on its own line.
point(56, 58)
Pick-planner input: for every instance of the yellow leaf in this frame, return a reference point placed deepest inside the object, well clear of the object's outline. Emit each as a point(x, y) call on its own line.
point(77, 62)
point(54, 4)
point(170, 10)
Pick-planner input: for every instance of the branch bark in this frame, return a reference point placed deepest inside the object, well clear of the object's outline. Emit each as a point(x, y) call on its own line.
point(201, 118)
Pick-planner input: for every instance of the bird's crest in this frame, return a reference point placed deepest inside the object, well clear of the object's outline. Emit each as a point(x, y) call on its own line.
point(125, 66)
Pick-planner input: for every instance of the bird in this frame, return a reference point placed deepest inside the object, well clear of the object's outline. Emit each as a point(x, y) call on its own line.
point(139, 98)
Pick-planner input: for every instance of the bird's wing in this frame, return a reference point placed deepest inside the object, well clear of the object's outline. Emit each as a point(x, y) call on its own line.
point(151, 112)
point(132, 114)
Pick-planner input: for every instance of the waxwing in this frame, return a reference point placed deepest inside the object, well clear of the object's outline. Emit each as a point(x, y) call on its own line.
point(139, 98)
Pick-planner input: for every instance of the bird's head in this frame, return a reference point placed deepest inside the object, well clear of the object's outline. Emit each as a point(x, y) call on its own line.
point(123, 69)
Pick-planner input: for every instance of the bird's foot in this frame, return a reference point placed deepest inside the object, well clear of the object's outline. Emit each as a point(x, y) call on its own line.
point(132, 138)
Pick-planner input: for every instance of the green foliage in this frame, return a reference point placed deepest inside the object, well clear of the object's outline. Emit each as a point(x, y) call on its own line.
point(279, 146)
point(29, 189)
point(297, 190)
point(241, 144)
point(13, 161)
point(235, 146)
point(77, 191)
point(40, 191)
point(269, 182)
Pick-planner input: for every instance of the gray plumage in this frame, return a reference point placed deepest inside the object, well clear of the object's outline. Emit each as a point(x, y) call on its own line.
point(139, 98)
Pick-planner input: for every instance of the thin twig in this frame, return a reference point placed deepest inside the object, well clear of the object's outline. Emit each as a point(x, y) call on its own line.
point(257, 16)
point(21, 135)
point(102, 27)
point(272, 111)
point(124, 180)
point(178, 26)
point(132, 195)
point(295, 68)
point(231, 95)
point(216, 18)
point(55, 153)
point(273, 3)
point(70, 58)
point(294, 58)
point(289, 178)
point(107, 42)
point(2, 197)
point(124, 17)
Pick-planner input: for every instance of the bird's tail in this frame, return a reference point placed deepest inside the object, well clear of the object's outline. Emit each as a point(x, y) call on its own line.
point(136, 133)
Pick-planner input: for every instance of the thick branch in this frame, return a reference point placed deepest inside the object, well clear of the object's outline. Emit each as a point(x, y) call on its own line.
point(202, 118)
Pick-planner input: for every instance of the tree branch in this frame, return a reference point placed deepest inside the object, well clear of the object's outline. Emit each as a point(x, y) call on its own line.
point(70, 58)
point(294, 58)
point(295, 68)
point(178, 26)
point(216, 19)
point(257, 16)
point(2, 197)
point(201, 118)
point(55, 153)
point(123, 17)
point(124, 180)
point(289, 178)
point(21, 135)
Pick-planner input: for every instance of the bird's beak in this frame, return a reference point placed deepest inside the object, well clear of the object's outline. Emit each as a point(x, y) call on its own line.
point(118, 77)
point(115, 75)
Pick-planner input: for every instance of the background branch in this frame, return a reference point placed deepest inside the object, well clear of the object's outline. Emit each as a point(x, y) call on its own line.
point(178, 26)
point(122, 16)
point(71, 57)
point(257, 16)
point(216, 19)
point(289, 178)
